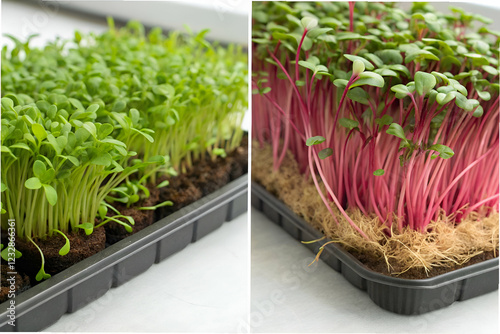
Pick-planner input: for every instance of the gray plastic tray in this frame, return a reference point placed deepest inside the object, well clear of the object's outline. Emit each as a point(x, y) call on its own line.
point(77, 286)
point(398, 295)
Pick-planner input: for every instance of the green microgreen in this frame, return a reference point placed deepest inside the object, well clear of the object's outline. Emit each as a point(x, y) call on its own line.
point(95, 120)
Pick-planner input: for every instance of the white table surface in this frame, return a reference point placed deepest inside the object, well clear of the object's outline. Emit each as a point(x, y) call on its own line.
point(288, 296)
point(203, 288)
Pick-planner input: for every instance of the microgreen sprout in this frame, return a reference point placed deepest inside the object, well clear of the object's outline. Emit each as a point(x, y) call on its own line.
point(395, 112)
point(190, 92)
point(95, 120)
point(56, 171)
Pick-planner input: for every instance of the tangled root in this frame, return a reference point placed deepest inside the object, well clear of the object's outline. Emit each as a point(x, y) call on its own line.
point(409, 253)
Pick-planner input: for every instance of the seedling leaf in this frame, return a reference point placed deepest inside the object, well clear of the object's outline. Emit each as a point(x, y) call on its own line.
point(41, 275)
point(103, 210)
point(309, 23)
point(424, 82)
point(64, 249)
point(315, 140)
point(369, 78)
point(396, 130)
point(384, 120)
point(39, 131)
point(358, 94)
point(39, 168)
point(325, 153)
point(369, 66)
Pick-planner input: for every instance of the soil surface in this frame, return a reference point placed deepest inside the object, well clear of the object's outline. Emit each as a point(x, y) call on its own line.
point(142, 218)
point(21, 283)
point(205, 177)
point(82, 247)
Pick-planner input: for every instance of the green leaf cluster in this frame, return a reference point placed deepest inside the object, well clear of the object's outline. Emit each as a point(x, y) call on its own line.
point(91, 121)
point(446, 62)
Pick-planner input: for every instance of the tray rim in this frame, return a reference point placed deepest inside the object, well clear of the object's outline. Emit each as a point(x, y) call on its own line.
point(123, 249)
point(364, 272)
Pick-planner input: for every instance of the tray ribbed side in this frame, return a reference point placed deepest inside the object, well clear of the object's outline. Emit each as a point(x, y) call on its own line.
point(77, 286)
point(398, 295)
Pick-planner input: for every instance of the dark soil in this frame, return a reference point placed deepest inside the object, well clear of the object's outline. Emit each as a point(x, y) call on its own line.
point(82, 247)
point(181, 191)
point(142, 218)
point(205, 177)
point(21, 283)
point(380, 266)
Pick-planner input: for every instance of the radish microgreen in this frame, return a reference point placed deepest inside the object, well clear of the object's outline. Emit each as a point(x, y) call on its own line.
point(100, 117)
point(396, 112)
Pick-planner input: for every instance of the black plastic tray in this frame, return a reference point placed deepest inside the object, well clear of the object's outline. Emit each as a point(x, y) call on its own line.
point(398, 295)
point(84, 282)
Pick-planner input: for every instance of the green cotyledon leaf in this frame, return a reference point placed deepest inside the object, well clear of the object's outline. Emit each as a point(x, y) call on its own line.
point(315, 140)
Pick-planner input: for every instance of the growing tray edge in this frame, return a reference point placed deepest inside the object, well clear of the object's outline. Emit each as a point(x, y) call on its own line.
point(406, 296)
